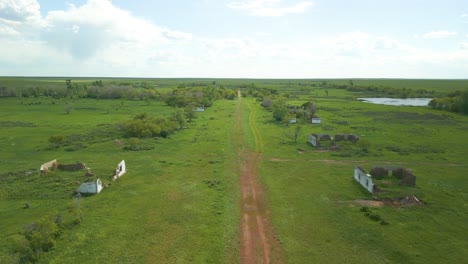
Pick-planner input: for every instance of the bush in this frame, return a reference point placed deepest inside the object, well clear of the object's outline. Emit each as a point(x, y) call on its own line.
point(364, 145)
point(375, 217)
point(56, 141)
point(38, 237)
point(364, 209)
point(383, 222)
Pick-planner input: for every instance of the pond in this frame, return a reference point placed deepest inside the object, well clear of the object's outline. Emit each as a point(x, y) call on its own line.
point(398, 101)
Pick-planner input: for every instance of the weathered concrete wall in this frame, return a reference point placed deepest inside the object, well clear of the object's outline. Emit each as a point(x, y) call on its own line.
point(406, 177)
point(90, 187)
point(51, 164)
point(364, 179)
point(316, 120)
point(313, 140)
point(72, 167)
point(120, 170)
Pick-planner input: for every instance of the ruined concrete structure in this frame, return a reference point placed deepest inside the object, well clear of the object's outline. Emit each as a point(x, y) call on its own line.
point(346, 137)
point(316, 120)
point(315, 139)
point(364, 179)
point(72, 167)
point(406, 177)
point(119, 171)
point(46, 166)
point(94, 187)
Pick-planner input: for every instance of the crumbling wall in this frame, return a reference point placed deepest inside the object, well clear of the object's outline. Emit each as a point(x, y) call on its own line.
point(346, 137)
point(364, 179)
point(51, 164)
point(406, 177)
point(120, 170)
point(378, 172)
point(313, 140)
point(72, 167)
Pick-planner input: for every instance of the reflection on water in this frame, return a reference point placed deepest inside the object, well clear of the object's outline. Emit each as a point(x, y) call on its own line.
point(398, 101)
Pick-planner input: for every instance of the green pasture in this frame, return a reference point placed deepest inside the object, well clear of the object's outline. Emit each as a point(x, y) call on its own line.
point(178, 202)
point(312, 194)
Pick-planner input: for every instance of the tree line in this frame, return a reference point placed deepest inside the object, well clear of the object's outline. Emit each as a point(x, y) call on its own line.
point(456, 102)
point(200, 94)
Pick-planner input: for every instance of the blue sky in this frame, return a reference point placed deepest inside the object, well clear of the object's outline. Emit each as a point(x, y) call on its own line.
point(235, 39)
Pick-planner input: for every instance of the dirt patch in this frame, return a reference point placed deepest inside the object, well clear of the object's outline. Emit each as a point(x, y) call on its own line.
point(369, 203)
point(405, 201)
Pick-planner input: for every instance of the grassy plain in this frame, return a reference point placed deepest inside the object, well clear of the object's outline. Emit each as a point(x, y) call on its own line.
point(178, 203)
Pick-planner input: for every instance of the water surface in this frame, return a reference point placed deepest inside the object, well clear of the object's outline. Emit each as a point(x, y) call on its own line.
point(398, 101)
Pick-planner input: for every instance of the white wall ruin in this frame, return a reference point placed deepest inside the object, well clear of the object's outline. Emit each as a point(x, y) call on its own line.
point(120, 170)
point(364, 179)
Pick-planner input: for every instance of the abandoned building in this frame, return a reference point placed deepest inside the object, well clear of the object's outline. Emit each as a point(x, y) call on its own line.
point(364, 179)
point(93, 187)
point(406, 177)
point(314, 139)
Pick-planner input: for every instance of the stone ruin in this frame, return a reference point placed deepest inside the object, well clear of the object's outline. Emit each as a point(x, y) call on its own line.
point(346, 137)
point(315, 138)
point(406, 177)
point(72, 167)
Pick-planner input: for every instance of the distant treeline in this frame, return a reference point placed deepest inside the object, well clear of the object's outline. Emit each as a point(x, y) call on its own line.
point(202, 93)
point(455, 102)
point(381, 90)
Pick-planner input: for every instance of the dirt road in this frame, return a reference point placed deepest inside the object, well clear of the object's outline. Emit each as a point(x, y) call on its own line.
point(257, 240)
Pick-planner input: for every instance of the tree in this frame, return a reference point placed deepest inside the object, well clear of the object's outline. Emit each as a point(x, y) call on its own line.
point(309, 109)
point(279, 108)
point(189, 113)
point(179, 118)
point(297, 132)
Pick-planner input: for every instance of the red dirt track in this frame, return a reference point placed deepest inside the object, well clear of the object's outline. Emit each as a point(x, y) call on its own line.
point(257, 240)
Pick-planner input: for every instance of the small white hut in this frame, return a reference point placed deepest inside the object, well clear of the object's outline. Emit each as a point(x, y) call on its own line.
point(316, 120)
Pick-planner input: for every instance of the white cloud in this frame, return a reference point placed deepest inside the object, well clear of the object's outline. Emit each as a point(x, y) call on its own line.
point(270, 8)
point(439, 34)
point(95, 38)
point(97, 25)
point(463, 45)
point(19, 10)
point(464, 15)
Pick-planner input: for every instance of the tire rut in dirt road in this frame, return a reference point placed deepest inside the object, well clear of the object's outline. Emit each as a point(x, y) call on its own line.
point(257, 240)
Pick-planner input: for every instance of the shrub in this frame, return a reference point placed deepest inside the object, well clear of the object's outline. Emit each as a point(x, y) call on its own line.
point(375, 217)
point(364, 209)
point(56, 141)
point(364, 145)
point(38, 237)
point(383, 222)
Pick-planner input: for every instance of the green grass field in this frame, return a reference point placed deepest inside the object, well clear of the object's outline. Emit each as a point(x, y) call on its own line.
point(179, 201)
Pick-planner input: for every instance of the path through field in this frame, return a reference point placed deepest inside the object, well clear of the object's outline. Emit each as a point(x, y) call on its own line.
point(257, 239)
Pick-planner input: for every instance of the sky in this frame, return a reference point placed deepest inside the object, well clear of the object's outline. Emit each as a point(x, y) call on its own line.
point(235, 38)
